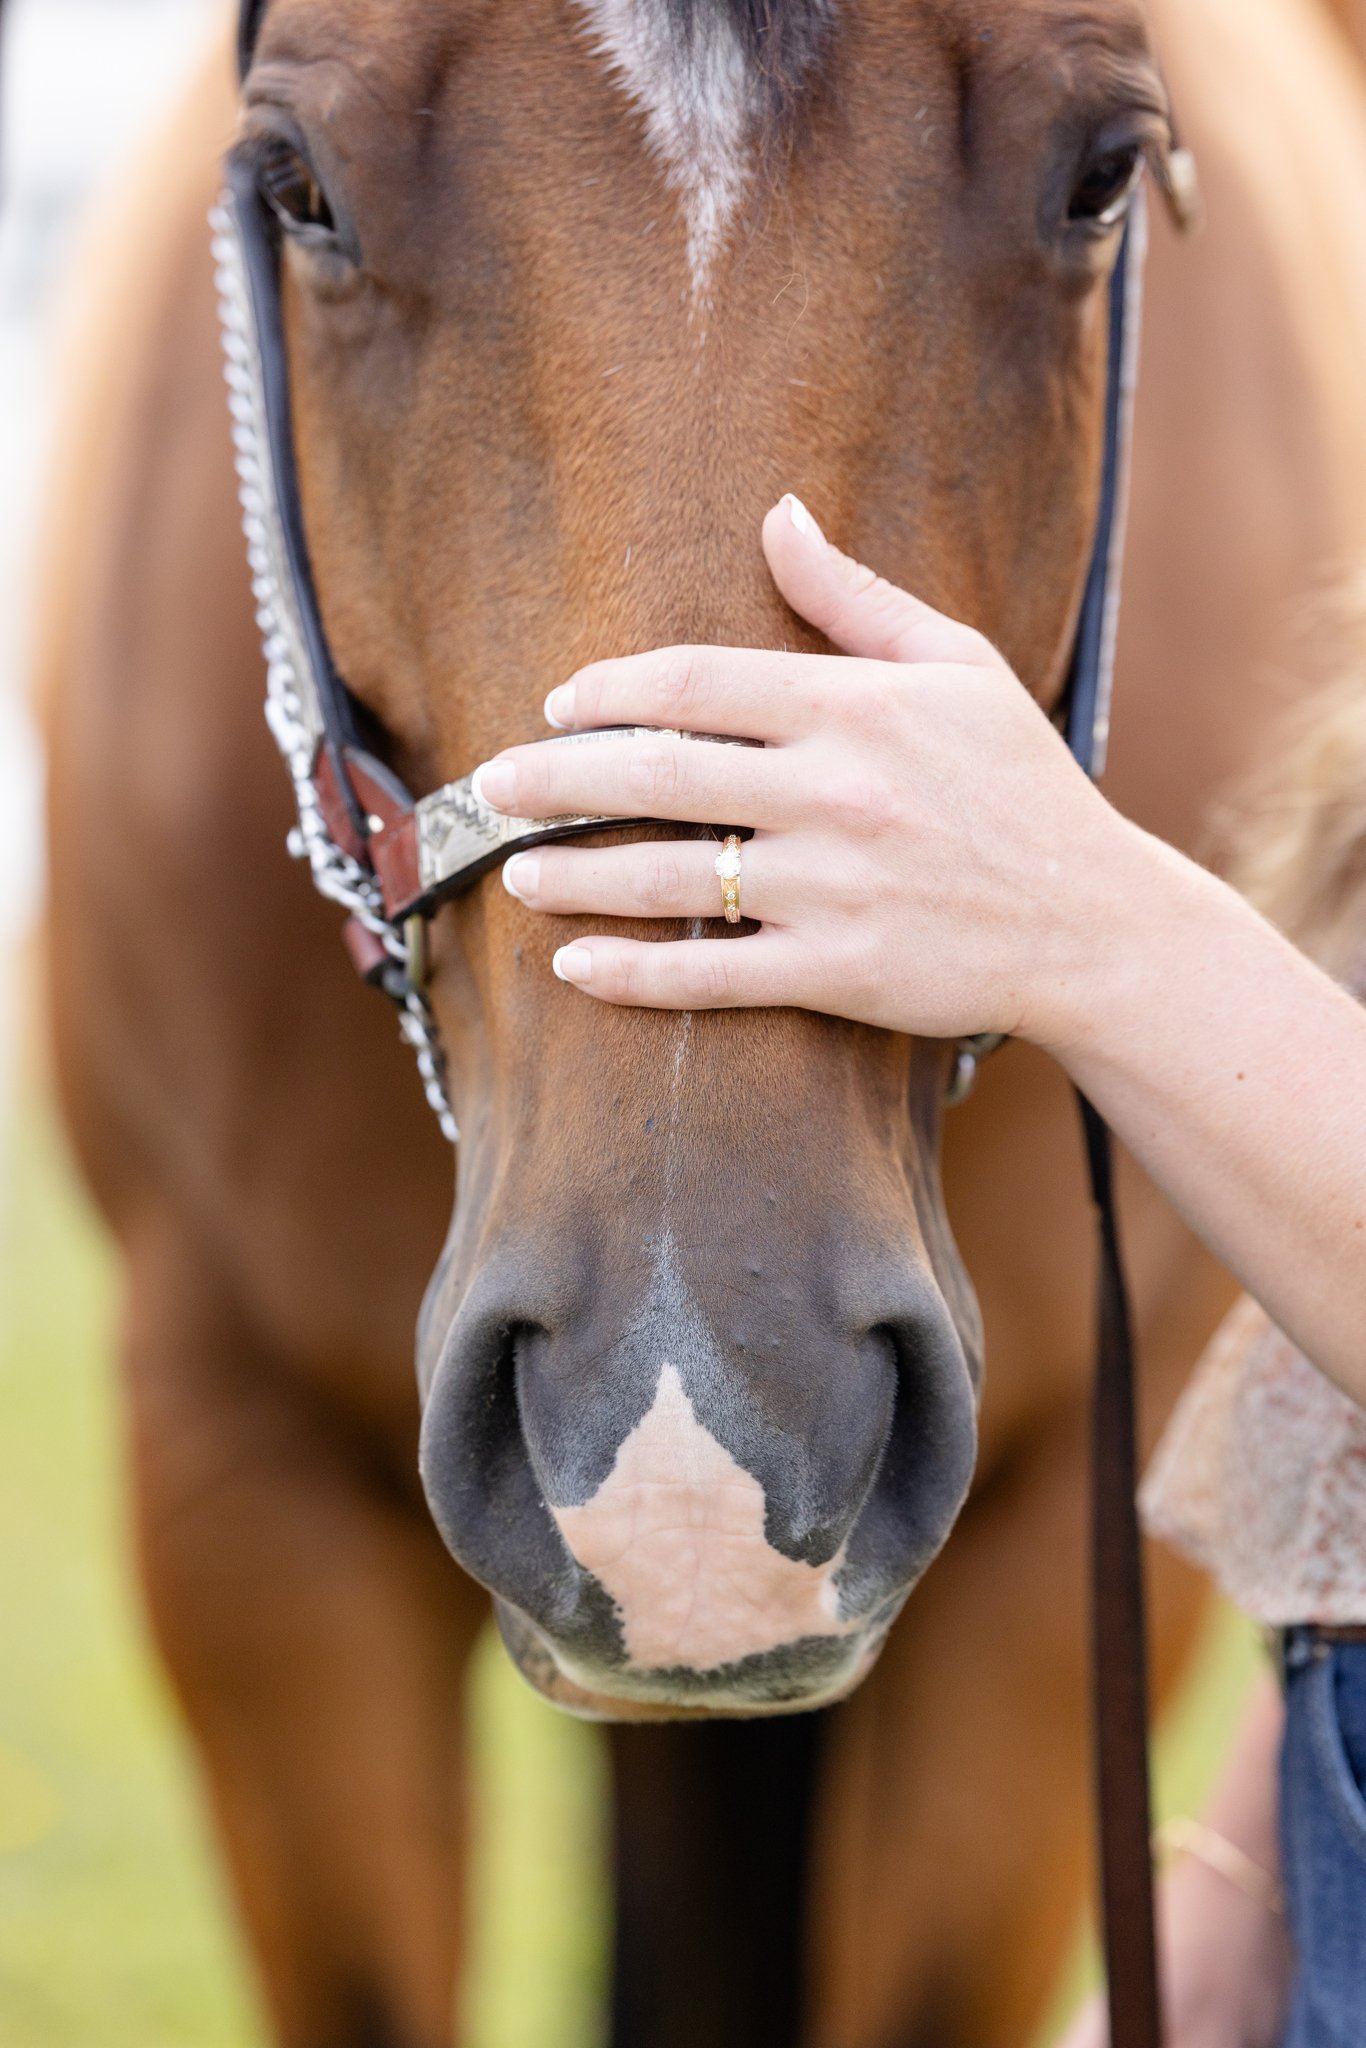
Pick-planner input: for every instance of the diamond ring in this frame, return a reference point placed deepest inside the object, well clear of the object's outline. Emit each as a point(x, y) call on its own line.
point(727, 865)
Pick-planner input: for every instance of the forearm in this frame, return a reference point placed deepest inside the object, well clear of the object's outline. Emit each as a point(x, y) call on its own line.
point(1235, 1072)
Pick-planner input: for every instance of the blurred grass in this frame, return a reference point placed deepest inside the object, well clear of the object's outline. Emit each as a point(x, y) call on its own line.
point(113, 1928)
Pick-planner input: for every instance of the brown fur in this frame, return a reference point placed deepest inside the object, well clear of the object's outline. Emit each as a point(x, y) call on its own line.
point(255, 1135)
point(1352, 16)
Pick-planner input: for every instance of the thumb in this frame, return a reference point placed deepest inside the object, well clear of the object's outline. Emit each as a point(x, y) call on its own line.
point(858, 611)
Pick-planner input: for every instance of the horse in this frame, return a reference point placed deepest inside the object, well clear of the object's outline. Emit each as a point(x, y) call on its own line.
point(571, 293)
point(1352, 16)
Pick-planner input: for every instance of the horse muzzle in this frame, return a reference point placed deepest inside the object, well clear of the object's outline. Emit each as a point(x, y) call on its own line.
point(678, 1519)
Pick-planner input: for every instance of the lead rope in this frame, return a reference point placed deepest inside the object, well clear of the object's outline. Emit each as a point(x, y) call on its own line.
point(1119, 1639)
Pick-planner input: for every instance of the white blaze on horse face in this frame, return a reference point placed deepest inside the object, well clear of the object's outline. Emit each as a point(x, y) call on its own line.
point(693, 87)
point(675, 1534)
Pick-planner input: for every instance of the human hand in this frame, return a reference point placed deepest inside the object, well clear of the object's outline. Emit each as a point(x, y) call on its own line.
point(926, 854)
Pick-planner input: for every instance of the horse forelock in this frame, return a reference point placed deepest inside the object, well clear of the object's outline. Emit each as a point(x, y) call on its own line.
point(781, 40)
point(716, 81)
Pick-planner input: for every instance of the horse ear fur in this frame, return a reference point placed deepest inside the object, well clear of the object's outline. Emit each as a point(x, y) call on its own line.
point(1178, 179)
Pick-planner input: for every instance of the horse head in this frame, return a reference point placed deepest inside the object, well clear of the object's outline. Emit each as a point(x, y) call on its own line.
point(572, 291)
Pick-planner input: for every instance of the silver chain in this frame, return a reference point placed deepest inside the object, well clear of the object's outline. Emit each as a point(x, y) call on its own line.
point(292, 712)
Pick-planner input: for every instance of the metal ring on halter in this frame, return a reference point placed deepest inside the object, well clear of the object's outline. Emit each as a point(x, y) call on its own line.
point(727, 865)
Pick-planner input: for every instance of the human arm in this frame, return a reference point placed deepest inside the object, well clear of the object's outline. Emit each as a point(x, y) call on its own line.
point(928, 857)
point(1225, 1956)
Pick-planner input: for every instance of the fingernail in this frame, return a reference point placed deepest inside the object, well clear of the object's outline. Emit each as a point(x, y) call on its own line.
point(494, 784)
point(574, 963)
point(559, 707)
point(520, 875)
point(801, 518)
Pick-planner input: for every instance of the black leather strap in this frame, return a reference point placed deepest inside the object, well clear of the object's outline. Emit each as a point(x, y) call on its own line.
point(1090, 675)
point(345, 722)
point(248, 28)
point(1119, 1638)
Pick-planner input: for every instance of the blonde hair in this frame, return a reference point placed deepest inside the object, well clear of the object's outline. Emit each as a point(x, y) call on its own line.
point(1294, 839)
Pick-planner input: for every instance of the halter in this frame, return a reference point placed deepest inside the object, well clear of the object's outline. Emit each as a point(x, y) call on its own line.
point(390, 859)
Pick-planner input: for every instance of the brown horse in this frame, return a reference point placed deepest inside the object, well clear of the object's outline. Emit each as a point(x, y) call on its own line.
point(572, 292)
point(1352, 15)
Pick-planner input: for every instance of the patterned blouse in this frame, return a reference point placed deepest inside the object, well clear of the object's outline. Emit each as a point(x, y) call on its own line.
point(1260, 1479)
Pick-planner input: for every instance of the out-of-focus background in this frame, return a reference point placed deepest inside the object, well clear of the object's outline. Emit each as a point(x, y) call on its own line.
point(113, 1923)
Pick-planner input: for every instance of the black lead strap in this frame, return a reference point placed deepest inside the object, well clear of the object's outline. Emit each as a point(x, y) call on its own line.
point(1119, 1634)
point(1119, 1638)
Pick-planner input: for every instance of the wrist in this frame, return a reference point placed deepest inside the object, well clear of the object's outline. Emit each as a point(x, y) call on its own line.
point(1121, 903)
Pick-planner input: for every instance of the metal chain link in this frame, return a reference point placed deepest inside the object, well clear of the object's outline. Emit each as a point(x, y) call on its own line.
point(336, 875)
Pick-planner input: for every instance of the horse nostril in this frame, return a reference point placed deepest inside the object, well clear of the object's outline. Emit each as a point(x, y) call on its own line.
point(927, 1462)
point(481, 1487)
point(662, 1503)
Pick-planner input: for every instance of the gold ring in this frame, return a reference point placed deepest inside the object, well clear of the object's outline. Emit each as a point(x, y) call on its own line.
point(727, 865)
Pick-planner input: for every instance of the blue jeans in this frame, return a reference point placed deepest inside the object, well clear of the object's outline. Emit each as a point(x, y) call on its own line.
point(1323, 1838)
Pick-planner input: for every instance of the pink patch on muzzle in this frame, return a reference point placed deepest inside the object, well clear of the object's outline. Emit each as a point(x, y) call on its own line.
point(675, 1535)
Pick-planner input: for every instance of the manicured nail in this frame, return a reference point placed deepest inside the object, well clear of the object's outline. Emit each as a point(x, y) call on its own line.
point(801, 518)
point(494, 784)
point(520, 875)
point(559, 707)
point(574, 963)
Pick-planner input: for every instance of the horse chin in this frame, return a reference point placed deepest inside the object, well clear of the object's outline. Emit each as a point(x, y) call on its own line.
point(660, 1696)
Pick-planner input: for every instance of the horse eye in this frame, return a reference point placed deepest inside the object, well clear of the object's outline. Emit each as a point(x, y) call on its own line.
point(1101, 199)
point(293, 193)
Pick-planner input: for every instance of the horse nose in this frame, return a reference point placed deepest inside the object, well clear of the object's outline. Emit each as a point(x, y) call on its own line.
point(710, 1483)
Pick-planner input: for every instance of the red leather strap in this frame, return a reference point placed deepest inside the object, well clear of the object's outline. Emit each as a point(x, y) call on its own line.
point(389, 844)
point(369, 955)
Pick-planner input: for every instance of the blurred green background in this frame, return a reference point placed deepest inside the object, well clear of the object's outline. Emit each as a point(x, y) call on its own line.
point(113, 1929)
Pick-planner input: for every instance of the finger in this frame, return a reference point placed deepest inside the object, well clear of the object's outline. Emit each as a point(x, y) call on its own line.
point(756, 693)
point(660, 776)
point(857, 610)
point(762, 972)
point(652, 878)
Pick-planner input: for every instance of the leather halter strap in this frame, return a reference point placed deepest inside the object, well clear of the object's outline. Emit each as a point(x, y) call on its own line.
point(1091, 672)
point(421, 850)
point(390, 858)
point(248, 29)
